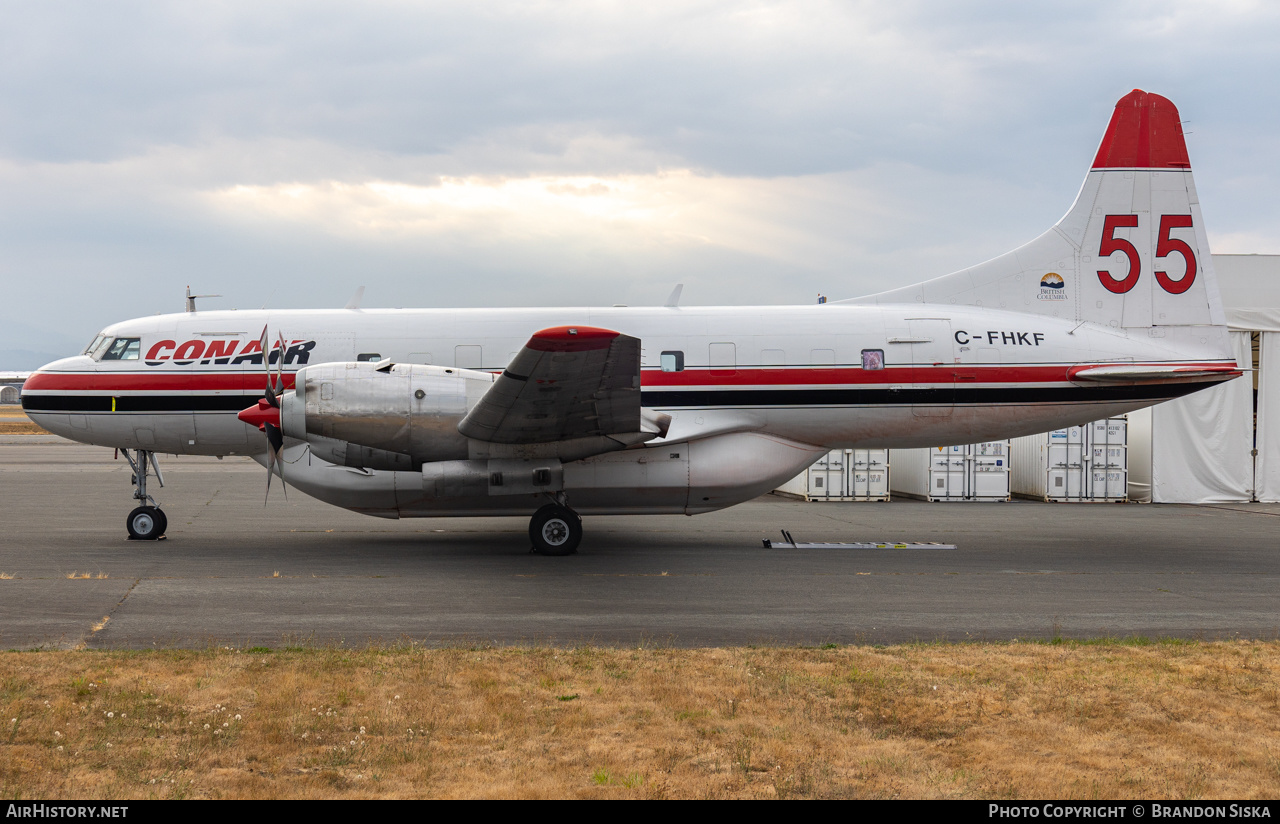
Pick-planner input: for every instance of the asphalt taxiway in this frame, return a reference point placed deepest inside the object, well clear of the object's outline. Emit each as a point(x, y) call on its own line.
point(233, 572)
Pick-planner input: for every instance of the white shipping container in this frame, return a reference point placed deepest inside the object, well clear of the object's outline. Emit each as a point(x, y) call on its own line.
point(828, 477)
point(869, 475)
point(965, 472)
point(1078, 463)
point(843, 475)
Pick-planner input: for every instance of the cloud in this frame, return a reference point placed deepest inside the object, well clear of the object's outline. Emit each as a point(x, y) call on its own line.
point(532, 238)
point(584, 152)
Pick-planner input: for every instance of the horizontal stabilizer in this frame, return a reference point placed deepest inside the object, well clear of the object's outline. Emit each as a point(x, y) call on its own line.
point(1148, 373)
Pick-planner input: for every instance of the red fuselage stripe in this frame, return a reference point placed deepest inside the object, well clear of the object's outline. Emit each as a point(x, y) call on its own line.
point(959, 374)
point(144, 382)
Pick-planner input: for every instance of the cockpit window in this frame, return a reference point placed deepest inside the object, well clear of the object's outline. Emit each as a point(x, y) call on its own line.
point(93, 347)
point(123, 349)
point(99, 346)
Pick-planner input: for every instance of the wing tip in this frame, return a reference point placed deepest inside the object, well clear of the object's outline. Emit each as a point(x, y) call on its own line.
point(572, 339)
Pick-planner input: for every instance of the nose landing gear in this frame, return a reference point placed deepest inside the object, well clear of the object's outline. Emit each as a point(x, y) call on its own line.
point(555, 530)
point(147, 522)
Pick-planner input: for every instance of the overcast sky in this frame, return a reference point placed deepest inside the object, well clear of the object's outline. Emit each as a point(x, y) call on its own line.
point(581, 153)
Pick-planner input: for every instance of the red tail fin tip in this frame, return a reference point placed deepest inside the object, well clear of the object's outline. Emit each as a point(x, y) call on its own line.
point(1145, 133)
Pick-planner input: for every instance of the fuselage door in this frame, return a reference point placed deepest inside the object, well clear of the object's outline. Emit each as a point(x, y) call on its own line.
point(215, 362)
point(933, 367)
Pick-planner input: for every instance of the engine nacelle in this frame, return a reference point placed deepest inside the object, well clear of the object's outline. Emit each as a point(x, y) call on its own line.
point(396, 417)
point(461, 479)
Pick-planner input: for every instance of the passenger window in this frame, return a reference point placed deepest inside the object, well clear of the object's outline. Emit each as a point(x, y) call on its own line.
point(466, 356)
point(723, 359)
point(672, 361)
point(822, 357)
point(123, 349)
point(772, 358)
point(873, 359)
point(368, 357)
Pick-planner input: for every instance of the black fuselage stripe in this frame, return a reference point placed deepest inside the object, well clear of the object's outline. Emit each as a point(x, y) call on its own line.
point(700, 398)
point(1007, 396)
point(137, 403)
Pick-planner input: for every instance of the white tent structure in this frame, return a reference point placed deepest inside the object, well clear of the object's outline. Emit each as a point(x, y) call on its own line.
point(1205, 447)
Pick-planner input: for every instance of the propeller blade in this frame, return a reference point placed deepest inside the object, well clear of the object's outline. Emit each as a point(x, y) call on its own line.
point(271, 462)
point(266, 413)
point(263, 343)
point(275, 438)
point(280, 363)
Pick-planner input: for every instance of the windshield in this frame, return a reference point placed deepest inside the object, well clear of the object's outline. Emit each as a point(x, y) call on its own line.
point(96, 347)
point(122, 349)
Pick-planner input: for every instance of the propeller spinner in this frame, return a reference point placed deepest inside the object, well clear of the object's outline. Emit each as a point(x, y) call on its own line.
point(265, 414)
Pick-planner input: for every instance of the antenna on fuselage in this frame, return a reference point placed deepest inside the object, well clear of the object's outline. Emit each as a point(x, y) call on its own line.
point(354, 303)
point(191, 299)
point(673, 302)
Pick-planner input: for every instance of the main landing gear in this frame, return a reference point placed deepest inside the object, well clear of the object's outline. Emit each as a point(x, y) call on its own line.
point(555, 530)
point(147, 522)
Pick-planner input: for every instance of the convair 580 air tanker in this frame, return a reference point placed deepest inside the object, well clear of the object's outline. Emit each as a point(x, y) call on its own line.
point(561, 412)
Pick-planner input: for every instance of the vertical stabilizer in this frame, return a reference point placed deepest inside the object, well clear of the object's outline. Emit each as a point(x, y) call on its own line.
point(1131, 252)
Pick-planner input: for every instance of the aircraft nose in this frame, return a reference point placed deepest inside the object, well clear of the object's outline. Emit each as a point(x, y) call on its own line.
point(45, 401)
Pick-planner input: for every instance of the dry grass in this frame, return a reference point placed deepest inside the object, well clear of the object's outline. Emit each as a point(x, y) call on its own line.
point(1104, 720)
point(13, 421)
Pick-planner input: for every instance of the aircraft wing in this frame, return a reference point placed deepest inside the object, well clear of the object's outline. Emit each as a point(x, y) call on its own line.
point(567, 382)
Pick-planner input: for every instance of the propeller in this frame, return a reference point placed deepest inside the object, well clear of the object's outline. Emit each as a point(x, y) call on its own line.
point(266, 413)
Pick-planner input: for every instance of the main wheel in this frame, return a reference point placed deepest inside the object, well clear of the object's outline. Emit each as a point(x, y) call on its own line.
point(146, 523)
point(555, 530)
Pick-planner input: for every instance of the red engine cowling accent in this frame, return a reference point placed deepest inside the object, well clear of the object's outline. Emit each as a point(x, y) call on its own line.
point(260, 415)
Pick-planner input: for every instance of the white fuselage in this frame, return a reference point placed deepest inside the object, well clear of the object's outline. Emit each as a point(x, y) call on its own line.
point(759, 391)
point(1118, 309)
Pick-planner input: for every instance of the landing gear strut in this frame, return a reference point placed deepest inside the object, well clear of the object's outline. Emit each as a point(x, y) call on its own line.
point(555, 530)
point(146, 522)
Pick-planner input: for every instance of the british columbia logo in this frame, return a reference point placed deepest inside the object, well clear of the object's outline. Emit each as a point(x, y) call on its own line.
point(1052, 287)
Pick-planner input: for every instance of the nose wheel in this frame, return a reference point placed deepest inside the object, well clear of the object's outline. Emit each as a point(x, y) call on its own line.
point(147, 522)
point(555, 530)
